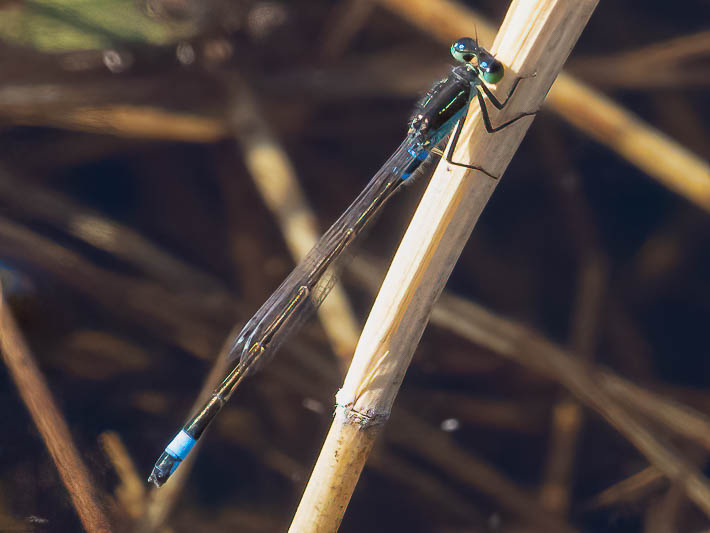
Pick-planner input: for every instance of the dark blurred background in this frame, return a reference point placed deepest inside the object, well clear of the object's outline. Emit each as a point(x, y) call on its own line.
point(133, 238)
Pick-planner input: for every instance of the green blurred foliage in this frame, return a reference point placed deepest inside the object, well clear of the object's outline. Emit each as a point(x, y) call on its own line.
point(66, 25)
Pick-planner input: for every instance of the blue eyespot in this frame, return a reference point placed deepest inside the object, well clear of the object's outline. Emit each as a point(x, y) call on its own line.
point(484, 64)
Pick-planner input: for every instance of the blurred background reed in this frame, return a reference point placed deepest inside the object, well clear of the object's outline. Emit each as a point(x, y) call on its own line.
point(140, 222)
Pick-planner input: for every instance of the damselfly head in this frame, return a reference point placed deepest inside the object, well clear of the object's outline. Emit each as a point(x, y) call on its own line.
point(467, 50)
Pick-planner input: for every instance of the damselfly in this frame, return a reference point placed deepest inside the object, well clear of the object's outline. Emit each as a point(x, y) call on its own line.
point(442, 107)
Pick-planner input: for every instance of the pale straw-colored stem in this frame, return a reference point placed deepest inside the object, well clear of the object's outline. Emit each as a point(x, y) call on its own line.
point(535, 38)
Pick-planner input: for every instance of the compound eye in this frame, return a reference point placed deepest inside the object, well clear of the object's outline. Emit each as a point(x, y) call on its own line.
point(464, 49)
point(491, 70)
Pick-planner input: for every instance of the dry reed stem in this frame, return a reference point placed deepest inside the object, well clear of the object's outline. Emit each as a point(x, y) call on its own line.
point(460, 464)
point(434, 491)
point(590, 387)
point(536, 37)
point(346, 20)
point(568, 416)
point(276, 180)
point(628, 490)
point(630, 68)
point(150, 306)
point(663, 516)
point(680, 418)
point(586, 109)
point(516, 342)
point(664, 252)
point(103, 233)
point(508, 339)
point(49, 421)
point(136, 122)
point(567, 421)
point(131, 491)
point(671, 52)
point(669, 460)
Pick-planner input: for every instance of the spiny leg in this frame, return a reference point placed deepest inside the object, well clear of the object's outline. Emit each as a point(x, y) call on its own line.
point(452, 147)
point(495, 101)
point(487, 119)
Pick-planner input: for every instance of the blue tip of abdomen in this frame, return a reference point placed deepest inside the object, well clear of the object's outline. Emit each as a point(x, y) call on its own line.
point(181, 445)
point(174, 454)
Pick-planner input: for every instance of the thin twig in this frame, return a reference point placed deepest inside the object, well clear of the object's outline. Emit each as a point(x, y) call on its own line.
point(103, 233)
point(457, 463)
point(346, 19)
point(598, 389)
point(140, 122)
point(680, 418)
point(131, 491)
point(630, 68)
point(629, 490)
point(568, 415)
point(662, 516)
point(149, 306)
point(435, 491)
point(275, 178)
point(525, 347)
point(49, 421)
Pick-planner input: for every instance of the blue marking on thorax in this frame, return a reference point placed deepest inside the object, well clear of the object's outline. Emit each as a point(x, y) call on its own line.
point(419, 156)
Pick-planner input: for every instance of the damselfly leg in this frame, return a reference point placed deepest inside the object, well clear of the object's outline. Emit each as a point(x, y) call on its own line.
point(486, 121)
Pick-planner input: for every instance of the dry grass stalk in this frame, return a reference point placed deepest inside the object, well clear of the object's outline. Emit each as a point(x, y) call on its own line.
point(275, 178)
point(664, 515)
point(568, 415)
point(346, 21)
point(150, 305)
point(586, 109)
point(536, 37)
point(103, 233)
point(630, 68)
point(131, 491)
point(514, 341)
point(629, 490)
point(604, 392)
point(458, 463)
point(135, 122)
point(677, 417)
point(50, 423)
